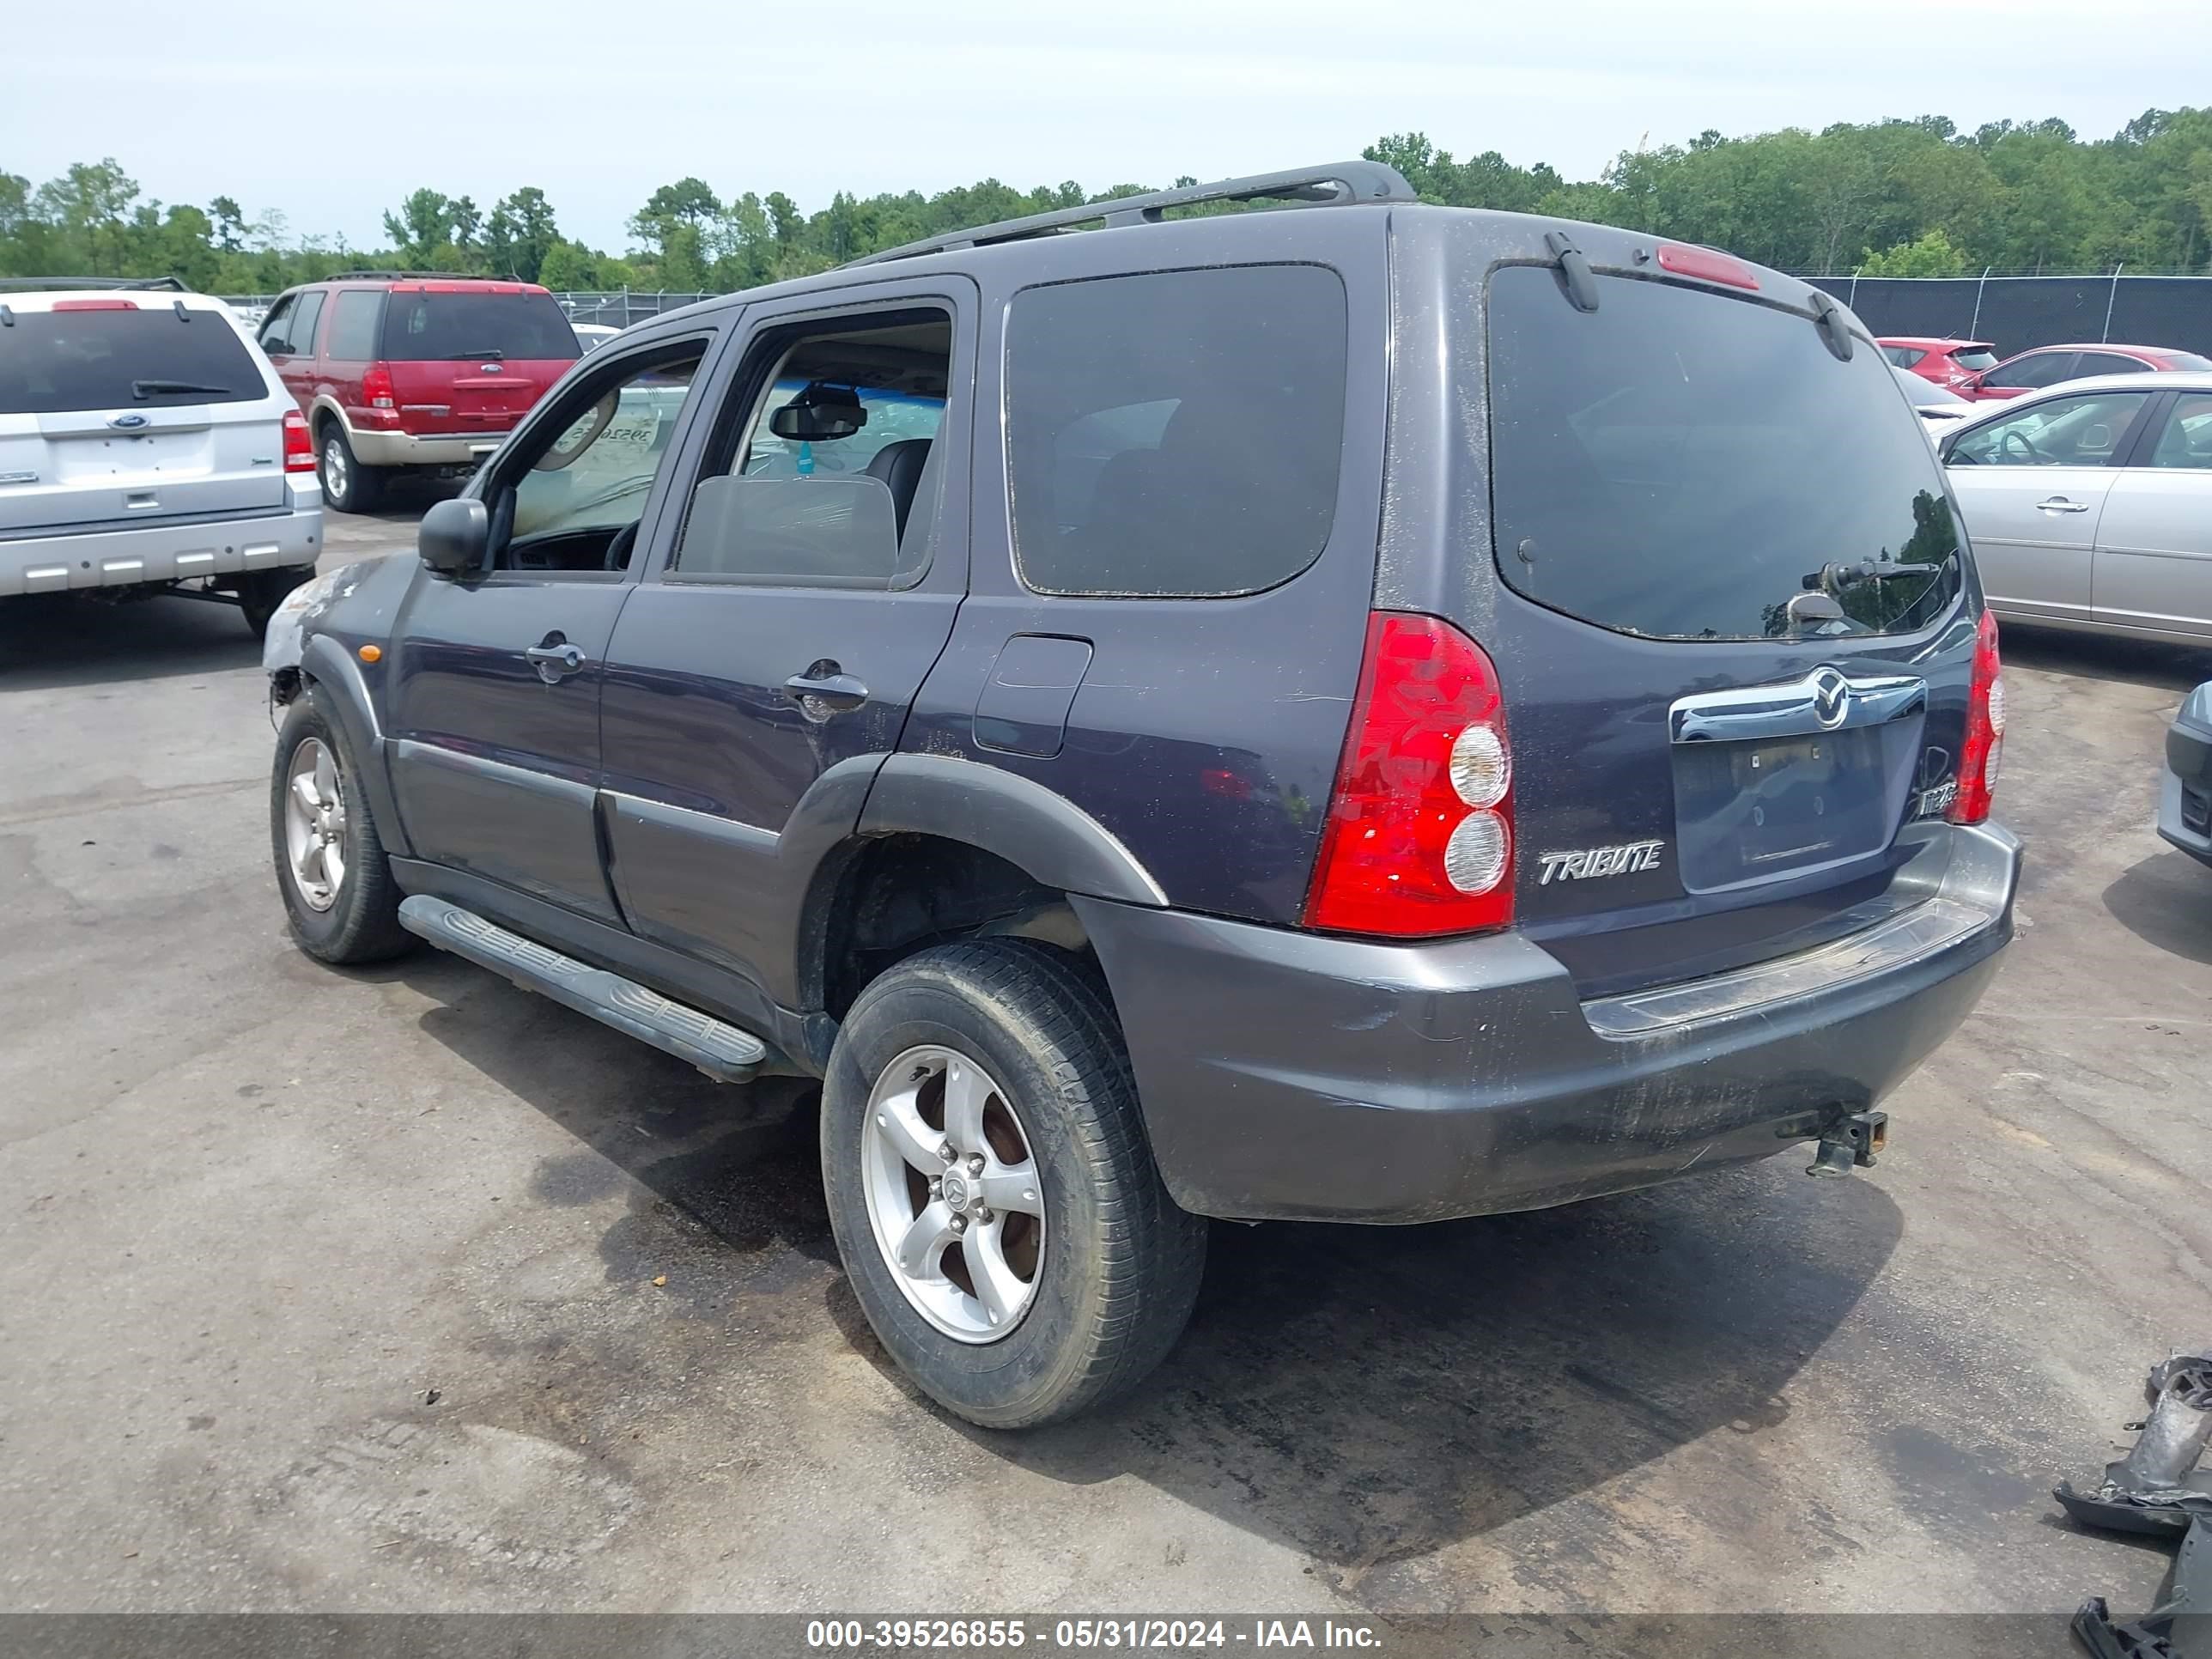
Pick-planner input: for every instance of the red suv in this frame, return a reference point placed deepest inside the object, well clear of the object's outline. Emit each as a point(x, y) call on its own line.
point(403, 370)
point(1946, 362)
point(2031, 371)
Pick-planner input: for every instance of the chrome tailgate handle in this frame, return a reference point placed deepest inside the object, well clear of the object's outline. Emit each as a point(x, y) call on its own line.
point(1826, 700)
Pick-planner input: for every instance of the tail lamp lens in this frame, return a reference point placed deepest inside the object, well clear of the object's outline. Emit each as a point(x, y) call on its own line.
point(1982, 751)
point(1418, 840)
point(299, 444)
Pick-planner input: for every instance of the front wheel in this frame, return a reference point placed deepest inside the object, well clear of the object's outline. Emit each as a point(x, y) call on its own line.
point(991, 1192)
point(331, 864)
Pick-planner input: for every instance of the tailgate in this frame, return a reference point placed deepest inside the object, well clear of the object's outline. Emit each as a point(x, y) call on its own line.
point(61, 471)
point(1737, 640)
point(110, 411)
point(468, 360)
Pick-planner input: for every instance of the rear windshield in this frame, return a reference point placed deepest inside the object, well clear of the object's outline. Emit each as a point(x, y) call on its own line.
point(1976, 358)
point(488, 327)
point(52, 362)
point(1685, 466)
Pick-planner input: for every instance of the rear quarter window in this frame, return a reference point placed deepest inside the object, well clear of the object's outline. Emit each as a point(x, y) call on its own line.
point(1682, 465)
point(56, 360)
point(1177, 434)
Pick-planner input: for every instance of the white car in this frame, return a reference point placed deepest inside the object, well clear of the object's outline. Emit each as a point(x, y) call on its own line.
point(2089, 504)
point(1939, 408)
point(592, 336)
point(147, 445)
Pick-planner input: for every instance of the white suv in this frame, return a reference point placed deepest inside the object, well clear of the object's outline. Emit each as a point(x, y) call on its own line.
point(147, 445)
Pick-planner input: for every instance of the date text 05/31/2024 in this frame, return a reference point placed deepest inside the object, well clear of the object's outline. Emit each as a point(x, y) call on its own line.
point(1166, 1634)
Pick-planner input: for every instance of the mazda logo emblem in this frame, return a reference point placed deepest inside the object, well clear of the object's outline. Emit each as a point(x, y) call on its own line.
point(1831, 698)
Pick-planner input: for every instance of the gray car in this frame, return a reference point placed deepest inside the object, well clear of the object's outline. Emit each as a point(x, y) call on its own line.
point(2090, 505)
point(2184, 795)
point(147, 445)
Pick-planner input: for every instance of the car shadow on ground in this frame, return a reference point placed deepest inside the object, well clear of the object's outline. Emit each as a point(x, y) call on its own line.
point(2101, 657)
point(51, 640)
point(2165, 901)
point(1368, 1395)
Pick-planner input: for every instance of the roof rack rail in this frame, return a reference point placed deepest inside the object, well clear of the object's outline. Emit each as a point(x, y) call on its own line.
point(36, 284)
point(411, 277)
point(1335, 184)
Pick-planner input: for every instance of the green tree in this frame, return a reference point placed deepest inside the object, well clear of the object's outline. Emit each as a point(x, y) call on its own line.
point(1930, 255)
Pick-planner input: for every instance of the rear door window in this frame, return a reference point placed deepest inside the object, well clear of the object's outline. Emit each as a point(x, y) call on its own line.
point(436, 325)
point(307, 317)
point(2187, 439)
point(1682, 465)
point(56, 360)
point(2110, 362)
point(1904, 356)
point(1177, 434)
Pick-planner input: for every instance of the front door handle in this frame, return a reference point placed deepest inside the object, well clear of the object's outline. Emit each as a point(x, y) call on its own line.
point(555, 658)
point(2060, 504)
point(825, 689)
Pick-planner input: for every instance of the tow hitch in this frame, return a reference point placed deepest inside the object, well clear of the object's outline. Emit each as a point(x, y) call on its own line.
point(1850, 1142)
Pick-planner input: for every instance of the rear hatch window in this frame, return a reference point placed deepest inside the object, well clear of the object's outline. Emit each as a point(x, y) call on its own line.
point(434, 326)
point(1976, 358)
point(54, 362)
point(1682, 465)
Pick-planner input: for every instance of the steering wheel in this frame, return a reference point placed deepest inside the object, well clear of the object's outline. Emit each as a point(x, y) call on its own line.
point(617, 558)
point(2017, 444)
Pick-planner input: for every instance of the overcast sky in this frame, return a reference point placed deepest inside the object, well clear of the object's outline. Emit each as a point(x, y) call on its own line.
point(331, 111)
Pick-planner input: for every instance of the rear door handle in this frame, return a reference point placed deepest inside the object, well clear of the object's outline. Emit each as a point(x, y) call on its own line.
point(2060, 504)
point(826, 688)
point(555, 658)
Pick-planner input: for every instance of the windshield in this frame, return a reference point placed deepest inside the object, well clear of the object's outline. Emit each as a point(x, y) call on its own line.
point(52, 362)
point(426, 327)
point(1684, 464)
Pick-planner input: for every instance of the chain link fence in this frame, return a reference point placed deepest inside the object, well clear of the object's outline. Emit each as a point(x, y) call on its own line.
point(2016, 313)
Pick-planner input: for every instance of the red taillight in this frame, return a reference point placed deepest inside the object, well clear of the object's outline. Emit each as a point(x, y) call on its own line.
point(1708, 264)
point(1978, 756)
point(298, 443)
point(376, 387)
point(94, 305)
point(1418, 839)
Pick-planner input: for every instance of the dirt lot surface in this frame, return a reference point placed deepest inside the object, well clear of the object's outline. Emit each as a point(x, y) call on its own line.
point(338, 1290)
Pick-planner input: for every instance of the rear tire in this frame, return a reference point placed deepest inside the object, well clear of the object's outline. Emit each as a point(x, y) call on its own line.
point(1114, 1265)
point(339, 897)
point(347, 486)
point(261, 592)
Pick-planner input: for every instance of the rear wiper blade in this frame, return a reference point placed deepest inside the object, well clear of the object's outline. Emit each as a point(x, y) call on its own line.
point(1833, 578)
point(143, 389)
point(492, 356)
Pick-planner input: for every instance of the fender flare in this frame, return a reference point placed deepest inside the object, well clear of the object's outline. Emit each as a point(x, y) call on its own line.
point(1020, 820)
point(335, 681)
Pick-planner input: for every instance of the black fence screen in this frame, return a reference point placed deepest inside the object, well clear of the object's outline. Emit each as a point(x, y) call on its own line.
point(2015, 312)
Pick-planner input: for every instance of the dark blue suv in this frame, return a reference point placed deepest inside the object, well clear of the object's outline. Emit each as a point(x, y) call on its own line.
point(1369, 712)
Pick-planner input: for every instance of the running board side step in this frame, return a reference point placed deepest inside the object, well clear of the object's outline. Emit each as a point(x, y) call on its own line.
point(721, 1051)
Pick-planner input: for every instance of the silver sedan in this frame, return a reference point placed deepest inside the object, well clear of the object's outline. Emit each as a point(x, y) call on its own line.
point(2090, 504)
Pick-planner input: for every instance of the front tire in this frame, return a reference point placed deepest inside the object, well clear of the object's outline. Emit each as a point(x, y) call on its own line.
point(1043, 1268)
point(332, 868)
point(260, 592)
point(347, 486)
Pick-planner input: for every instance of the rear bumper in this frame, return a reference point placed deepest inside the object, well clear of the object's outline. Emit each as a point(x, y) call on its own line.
point(1291, 1075)
point(130, 555)
point(2184, 795)
point(405, 449)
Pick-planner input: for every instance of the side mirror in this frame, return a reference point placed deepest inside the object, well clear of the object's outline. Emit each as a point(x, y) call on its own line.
point(453, 537)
